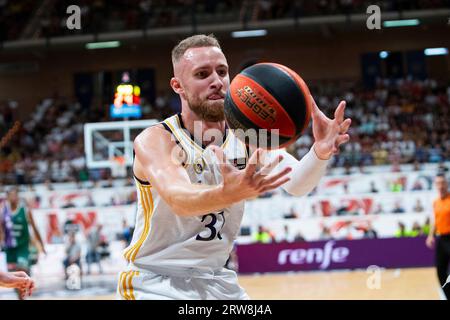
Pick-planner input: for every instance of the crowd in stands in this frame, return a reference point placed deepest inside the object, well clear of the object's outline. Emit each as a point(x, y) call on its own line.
point(415, 231)
point(401, 121)
point(114, 15)
point(345, 230)
point(14, 15)
point(49, 146)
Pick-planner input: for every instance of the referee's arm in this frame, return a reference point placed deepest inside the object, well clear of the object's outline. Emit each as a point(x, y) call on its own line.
point(430, 239)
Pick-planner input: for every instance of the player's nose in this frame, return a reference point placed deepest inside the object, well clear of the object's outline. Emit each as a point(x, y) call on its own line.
point(216, 82)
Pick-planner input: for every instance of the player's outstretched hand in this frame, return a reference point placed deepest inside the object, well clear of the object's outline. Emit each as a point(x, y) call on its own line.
point(249, 183)
point(328, 133)
point(18, 280)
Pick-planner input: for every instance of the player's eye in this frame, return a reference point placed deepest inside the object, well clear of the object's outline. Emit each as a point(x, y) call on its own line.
point(222, 72)
point(201, 74)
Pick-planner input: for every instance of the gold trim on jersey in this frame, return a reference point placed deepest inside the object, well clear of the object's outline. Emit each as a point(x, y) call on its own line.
point(191, 141)
point(190, 146)
point(180, 139)
point(126, 289)
point(147, 204)
point(120, 285)
point(130, 284)
point(194, 143)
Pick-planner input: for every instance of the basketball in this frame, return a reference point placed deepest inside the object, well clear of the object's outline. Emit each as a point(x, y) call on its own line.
point(271, 100)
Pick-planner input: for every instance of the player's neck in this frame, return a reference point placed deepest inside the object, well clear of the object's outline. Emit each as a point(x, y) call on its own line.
point(191, 122)
point(13, 205)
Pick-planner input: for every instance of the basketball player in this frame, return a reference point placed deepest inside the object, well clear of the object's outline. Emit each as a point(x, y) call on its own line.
point(18, 280)
point(192, 187)
point(440, 230)
point(18, 255)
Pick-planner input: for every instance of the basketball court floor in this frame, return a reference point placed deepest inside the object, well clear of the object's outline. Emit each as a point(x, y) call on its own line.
point(388, 284)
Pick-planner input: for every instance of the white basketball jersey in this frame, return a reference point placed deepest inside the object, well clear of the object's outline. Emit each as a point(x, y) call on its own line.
point(168, 243)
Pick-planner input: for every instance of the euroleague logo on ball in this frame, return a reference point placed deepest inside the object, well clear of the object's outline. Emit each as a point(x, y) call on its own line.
point(268, 101)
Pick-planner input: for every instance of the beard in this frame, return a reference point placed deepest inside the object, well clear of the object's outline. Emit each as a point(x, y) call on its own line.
point(208, 110)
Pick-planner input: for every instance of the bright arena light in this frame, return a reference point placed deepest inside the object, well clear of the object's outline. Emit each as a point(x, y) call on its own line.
point(401, 23)
point(435, 51)
point(102, 45)
point(249, 33)
point(384, 54)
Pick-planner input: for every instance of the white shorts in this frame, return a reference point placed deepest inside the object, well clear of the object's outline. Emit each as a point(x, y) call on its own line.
point(145, 285)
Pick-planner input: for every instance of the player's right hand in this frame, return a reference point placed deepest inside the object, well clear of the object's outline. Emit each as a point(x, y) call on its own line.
point(249, 183)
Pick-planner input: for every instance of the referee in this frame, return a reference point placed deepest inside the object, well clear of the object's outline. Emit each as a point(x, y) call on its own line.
point(440, 230)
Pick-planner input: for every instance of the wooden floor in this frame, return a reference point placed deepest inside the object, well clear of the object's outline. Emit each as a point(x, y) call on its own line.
point(397, 284)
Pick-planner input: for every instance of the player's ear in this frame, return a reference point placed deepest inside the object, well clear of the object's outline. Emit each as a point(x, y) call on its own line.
point(176, 85)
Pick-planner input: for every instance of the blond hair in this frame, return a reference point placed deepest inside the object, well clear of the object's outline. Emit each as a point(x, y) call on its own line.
point(196, 41)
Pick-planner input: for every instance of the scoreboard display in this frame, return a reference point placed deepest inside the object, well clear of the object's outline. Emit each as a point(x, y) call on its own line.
point(127, 99)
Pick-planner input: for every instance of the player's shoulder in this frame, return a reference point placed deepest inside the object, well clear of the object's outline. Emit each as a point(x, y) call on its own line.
point(156, 131)
point(154, 140)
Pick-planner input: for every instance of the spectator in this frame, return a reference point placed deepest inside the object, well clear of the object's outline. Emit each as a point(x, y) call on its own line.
point(314, 210)
point(299, 237)
point(263, 235)
point(398, 208)
point(292, 214)
point(73, 254)
point(345, 186)
point(286, 236)
point(442, 168)
point(417, 186)
point(416, 230)
point(369, 231)
point(69, 204)
point(418, 207)
point(416, 166)
point(426, 227)
point(103, 247)
point(373, 189)
point(379, 209)
point(90, 202)
point(396, 186)
point(71, 225)
point(93, 255)
point(401, 232)
point(325, 234)
point(127, 233)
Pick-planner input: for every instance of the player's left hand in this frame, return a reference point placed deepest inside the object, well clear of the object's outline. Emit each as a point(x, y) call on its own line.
point(328, 133)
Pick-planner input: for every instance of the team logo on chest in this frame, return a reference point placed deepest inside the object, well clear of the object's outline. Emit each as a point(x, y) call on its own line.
point(199, 165)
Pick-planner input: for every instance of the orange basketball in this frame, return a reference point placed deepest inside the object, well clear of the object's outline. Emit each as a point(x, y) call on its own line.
point(268, 98)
